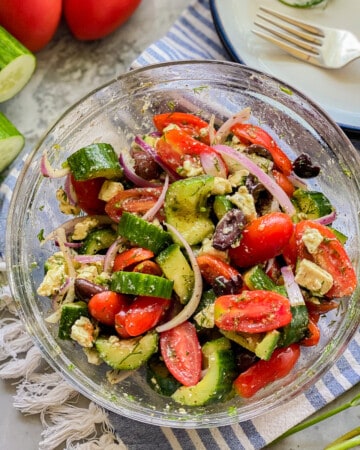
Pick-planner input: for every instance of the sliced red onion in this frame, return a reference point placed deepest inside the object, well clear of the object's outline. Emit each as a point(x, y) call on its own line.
point(89, 259)
point(213, 164)
point(268, 182)
point(292, 288)
point(130, 173)
point(152, 152)
point(111, 253)
point(70, 191)
point(61, 239)
point(326, 220)
point(212, 131)
point(69, 226)
point(151, 213)
point(298, 182)
point(193, 303)
point(48, 171)
point(56, 301)
point(240, 117)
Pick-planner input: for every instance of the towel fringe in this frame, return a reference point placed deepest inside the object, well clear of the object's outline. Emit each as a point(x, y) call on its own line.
point(47, 393)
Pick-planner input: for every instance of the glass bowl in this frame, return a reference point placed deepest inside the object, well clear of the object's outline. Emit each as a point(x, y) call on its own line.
point(115, 113)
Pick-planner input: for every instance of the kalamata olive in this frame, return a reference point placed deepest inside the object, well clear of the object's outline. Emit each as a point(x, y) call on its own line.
point(259, 150)
point(85, 289)
point(304, 168)
point(253, 186)
point(228, 229)
point(144, 166)
point(224, 286)
point(244, 359)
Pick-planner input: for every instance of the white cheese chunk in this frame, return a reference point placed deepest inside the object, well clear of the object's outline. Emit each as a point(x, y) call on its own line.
point(109, 189)
point(83, 332)
point(312, 238)
point(312, 277)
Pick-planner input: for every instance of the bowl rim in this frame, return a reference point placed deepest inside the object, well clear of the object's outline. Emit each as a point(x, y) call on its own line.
point(226, 419)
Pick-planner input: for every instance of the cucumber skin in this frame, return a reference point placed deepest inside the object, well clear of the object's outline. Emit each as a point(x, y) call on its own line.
point(97, 240)
point(142, 233)
point(9, 137)
point(70, 313)
point(95, 161)
point(137, 283)
point(216, 386)
point(127, 354)
point(10, 50)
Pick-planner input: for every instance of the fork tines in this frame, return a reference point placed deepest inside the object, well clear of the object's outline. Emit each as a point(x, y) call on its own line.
point(302, 35)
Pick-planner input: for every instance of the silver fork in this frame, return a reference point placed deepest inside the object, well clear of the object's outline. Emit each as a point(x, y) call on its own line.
point(322, 46)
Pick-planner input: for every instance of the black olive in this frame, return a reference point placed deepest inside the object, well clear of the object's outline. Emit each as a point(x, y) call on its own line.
point(304, 168)
point(85, 289)
point(223, 286)
point(229, 229)
point(259, 150)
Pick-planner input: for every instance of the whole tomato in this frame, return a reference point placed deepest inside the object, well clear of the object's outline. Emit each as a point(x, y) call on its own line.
point(93, 19)
point(32, 22)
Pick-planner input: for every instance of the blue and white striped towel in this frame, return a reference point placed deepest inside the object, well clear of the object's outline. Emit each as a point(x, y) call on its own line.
point(193, 36)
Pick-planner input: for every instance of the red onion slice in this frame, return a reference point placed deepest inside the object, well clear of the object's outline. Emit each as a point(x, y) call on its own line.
point(151, 213)
point(130, 173)
point(152, 152)
point(70, 191)
point(213, 164)
point(193, 303)
point(111, 253)
point(240, 117)
point(269, 183)
point(292, 288)
point(326, 220)
point(89, 259)
point(48, 171)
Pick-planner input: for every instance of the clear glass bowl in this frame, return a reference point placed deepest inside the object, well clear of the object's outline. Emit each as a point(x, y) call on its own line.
point(115, 113)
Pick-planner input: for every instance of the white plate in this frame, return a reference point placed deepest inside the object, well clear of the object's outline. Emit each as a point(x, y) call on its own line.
point(337, 91)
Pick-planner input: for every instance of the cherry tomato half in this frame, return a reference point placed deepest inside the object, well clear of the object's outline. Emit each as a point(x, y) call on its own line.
point(104, 306)
point(136, 200)
point(145, 313)
point(87, 195)
point(264, 372)
point(330, 255)
point(262, 239)
point(191, 124)
point(252, 134)
point(181, 352)
point(129, 257)
point(252, 311)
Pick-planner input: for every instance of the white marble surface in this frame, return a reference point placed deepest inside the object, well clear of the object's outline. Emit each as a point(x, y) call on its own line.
point(66, 71)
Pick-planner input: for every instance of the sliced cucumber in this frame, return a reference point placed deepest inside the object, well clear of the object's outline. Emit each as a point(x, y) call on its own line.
point(311, 204)
point(176, 268)
point(70, 313)
point(137, 283)
point(95, 161)
point(217, 382)
point(17, 64)
point(159, 378)
point(142, 233)
point(11, 141)
point(97, 240)
point(127, 354)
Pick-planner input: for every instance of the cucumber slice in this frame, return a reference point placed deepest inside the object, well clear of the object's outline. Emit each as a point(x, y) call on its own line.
point(159, 378)
point(17, 64)
point(137, 283)
point(127, 354)
point(97, 241)
point(70, 313)
point(95, 161)
point(142, 233)
point(176, 268)
point(11, 141)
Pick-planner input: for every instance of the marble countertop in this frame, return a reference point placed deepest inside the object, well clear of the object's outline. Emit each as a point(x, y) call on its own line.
point(67, 70)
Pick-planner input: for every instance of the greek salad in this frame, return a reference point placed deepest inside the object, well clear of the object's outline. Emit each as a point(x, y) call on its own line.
point(199, 254)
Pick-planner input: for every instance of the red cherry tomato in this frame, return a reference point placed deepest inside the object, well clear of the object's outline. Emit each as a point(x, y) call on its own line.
point(191, 124)
point(145, 313)
point(181, 352)
point(137, 200)
point(128, 258)
point(87, 195)
point(175, 146)
point(284, 182)
point(252, 311)
point(252, 134)
point(92, 19)
point(262, 239)
point(215, 271)
point(149, 267)
point(103, 306)
point(330, 255)
point(264, 372)
point(32, 22)
point(313, 332)
point(120, 322)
